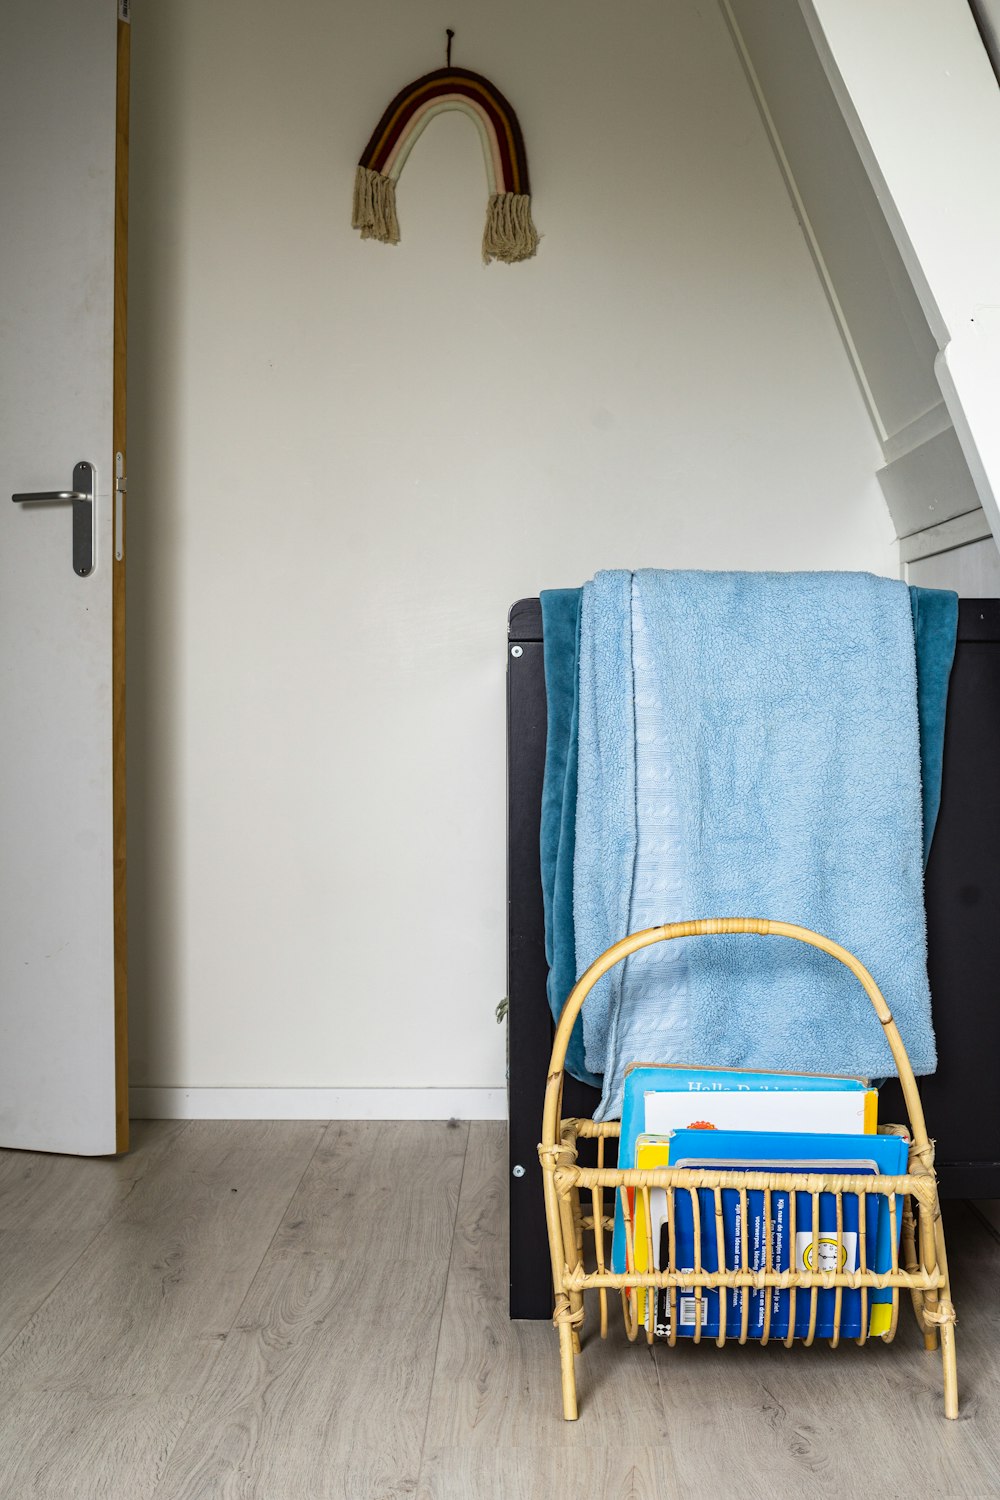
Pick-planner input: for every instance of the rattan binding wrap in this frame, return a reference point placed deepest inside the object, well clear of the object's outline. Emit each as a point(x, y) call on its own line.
point(919, 1266)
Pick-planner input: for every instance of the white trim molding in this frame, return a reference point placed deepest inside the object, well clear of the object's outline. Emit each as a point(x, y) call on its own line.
point(317, 1104)
point(929, 486)
point(960, 531)
point(918, 93)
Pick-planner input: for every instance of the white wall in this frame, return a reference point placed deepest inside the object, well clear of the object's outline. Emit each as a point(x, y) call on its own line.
point(347, 460)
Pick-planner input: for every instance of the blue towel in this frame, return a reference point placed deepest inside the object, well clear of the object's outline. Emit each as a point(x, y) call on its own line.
point(561, 638)
point(605, 794)
point(782, 766)
point(935, 618)
point(935, 631)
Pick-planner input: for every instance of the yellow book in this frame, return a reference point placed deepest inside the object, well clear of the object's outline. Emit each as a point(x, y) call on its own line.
point(651, 1151)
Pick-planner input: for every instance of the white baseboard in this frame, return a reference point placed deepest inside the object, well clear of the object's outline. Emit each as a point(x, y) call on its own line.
point(317, 1104)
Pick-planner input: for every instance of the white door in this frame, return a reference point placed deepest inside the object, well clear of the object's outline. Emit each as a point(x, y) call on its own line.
point(63, 123)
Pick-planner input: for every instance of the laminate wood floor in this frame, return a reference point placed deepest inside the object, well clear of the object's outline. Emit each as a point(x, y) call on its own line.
point(299, 1311)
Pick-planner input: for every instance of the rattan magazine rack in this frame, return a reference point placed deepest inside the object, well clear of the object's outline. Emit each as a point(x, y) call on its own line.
point(918, 1261)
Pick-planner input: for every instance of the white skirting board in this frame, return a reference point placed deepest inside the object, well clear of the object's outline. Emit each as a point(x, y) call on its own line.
point(317, 1104)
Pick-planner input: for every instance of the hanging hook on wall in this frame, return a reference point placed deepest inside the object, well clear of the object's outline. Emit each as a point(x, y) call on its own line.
point(449, 34)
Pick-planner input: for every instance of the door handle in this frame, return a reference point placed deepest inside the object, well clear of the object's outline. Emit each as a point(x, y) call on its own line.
point(82, 497)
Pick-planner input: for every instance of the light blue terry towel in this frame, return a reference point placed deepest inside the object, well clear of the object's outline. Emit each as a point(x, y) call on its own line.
point(605, 795)
point(766, 764)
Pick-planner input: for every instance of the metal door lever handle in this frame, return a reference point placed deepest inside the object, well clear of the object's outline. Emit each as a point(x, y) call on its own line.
point(51, 495)
point(83, 514)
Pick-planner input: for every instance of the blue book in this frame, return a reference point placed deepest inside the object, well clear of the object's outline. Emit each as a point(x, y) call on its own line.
point(660, 1098)
point(786, 1152)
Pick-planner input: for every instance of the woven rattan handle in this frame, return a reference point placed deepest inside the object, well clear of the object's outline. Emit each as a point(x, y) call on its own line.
point(711, 927)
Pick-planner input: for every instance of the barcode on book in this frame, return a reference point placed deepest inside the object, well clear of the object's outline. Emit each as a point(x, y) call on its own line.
point(687, 1312)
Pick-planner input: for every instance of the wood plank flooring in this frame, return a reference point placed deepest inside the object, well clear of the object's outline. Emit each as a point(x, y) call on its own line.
point(53, 1207)
point(300, 1311)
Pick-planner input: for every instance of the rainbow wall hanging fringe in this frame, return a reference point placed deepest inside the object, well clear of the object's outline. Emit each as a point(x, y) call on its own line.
point(509, 235)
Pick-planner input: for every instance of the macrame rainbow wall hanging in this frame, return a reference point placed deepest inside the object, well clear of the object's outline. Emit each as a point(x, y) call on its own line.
point(509, 235)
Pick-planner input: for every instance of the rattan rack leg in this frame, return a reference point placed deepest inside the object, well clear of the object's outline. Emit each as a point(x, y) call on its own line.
point(929, 1301)
point(950, 1365)
point(569, 1217)
point(577, 1301)
point(910, 1262)
point(939, 1311)
point(570, 1412)
point(949, 1359)
point(928, 1255)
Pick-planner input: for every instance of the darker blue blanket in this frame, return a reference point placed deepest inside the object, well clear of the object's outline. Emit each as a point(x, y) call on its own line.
point(935, 624)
